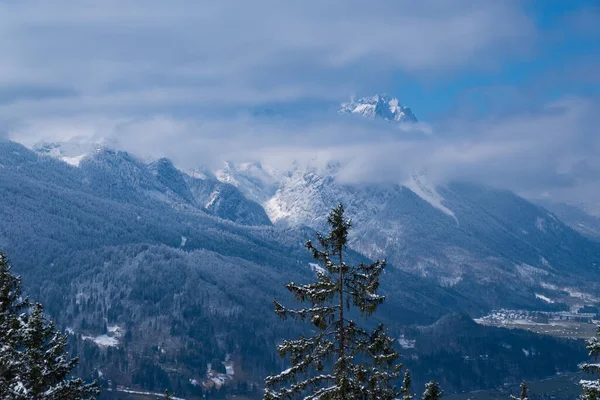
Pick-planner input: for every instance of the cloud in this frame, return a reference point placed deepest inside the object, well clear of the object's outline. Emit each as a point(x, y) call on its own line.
point(119, 56)
point(549, 151)
point(184, 80)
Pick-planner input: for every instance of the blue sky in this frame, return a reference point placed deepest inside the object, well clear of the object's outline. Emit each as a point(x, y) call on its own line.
point(507, 90)
point(563, 60)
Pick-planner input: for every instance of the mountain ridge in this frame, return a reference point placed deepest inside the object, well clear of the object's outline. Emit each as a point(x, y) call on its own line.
point(379, 106)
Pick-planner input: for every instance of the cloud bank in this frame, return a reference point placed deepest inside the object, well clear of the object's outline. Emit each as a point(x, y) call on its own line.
point(195, 81)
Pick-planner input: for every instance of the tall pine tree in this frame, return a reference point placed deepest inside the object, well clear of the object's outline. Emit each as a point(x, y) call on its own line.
point(341, 361)
point(12, 307)
point(33, 356)
point(591, 388)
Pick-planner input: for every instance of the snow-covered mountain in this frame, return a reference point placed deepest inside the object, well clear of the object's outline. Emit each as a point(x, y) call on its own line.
point(458, 234)
point(118, 173)
point(185, 261)
point(379, 106)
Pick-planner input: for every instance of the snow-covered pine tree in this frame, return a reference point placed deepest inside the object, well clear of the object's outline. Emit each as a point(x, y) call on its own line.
point(591, 388)
point(524, 394)
point(11, 320)
point(406, 395)
point(432, 391)
point(33, 353)
point(341, 361)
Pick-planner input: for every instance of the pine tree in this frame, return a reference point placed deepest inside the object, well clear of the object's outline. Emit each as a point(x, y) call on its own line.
point(524, 395)
point(591, 388)
point(406, 387)
point(11, 320)
point(432, 391)
point(342, 360)
point(33, 353)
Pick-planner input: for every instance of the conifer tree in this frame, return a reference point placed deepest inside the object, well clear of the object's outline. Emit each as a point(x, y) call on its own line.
point(11, 307)
point(432, 391)
point(591, 388)
point(406, 395)
point(524, 394)
point(33, 357)
point(341, 361)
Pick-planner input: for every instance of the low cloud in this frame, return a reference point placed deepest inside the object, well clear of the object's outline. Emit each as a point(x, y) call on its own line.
point(551, 151)
point(194, 81)
point(132, 57)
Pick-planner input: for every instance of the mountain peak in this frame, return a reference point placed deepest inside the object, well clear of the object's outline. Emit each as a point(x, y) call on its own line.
point(74, 150)
point(379, 106)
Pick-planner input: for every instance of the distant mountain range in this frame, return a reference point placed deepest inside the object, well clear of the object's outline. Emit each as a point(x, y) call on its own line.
point(183, 264)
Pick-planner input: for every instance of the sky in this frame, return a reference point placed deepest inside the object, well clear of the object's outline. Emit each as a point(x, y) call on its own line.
point(507, 91)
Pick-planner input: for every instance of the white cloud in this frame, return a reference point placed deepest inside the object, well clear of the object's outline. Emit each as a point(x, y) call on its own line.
point(137, 54)
point(178, 79)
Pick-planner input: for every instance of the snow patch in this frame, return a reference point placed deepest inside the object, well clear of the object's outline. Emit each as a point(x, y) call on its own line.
point(103, 340)
point(316, 268)
point(540, 224)
point(530, 271)
point(526, 352)
point(449, 281)
point(580, 295)
point(425, 190)
point(74, 161)
point(115, 330)
point(406, 343)
point(183, 241)
point(544, 298)
point(548, 286)
point(545, 262)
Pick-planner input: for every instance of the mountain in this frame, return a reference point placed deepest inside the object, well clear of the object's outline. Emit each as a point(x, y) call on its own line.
point(140, 261)
point(459, 234)
point(157, 273)
point(577, 218)
point(488, 244)
point(379, 106)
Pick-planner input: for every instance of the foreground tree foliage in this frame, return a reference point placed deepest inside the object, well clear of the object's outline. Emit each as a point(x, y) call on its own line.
point(342, 360)
point(591, 388)
point(432, 391)
point(33, 357)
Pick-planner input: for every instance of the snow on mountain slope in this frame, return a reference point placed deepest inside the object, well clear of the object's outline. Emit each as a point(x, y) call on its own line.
point(456, 234)
point(72, 151)
point(416, 226)
point(425, 190)
point(255, 181)
point(379, 106)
